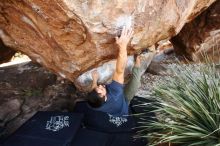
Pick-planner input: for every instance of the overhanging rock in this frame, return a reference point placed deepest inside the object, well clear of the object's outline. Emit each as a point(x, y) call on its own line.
point(69, 37)
point(201, 37)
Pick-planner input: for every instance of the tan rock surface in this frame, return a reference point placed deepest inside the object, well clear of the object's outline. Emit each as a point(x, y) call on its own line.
point(200, 36)
point(70, 37)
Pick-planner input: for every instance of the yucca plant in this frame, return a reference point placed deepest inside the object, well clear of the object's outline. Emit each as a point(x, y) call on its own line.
point(188, 105)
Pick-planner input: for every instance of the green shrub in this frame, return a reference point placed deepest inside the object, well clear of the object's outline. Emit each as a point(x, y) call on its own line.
point(188, 107)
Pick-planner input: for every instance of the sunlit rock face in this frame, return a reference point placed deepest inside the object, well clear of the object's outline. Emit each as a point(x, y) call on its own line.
point(105, 71)
point(69, 37)
point(201, 37)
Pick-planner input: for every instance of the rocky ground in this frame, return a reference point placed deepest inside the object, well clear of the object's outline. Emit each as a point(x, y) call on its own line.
point(159, 69)
point(27, 88)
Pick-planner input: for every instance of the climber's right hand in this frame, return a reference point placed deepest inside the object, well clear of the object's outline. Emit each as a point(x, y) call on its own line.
point(125, 37)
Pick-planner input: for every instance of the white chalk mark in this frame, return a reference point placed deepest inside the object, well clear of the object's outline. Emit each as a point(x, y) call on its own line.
point(124, 20)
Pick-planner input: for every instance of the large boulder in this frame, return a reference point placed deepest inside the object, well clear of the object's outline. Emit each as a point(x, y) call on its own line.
point(201, 37)
point(70, 37)
point(27, 88)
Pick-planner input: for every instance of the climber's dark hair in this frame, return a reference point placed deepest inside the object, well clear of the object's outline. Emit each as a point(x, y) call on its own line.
point(94, 100)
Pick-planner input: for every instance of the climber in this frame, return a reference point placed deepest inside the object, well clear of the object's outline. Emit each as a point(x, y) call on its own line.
point(114, 98)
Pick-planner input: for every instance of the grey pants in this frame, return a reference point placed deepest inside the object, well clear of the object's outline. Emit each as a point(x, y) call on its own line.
point(132, 86)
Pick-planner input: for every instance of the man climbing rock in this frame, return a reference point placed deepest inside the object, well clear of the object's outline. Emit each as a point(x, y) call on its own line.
point(114, 98)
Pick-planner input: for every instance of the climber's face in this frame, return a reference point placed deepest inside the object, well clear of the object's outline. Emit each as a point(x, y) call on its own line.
point(101, 90)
